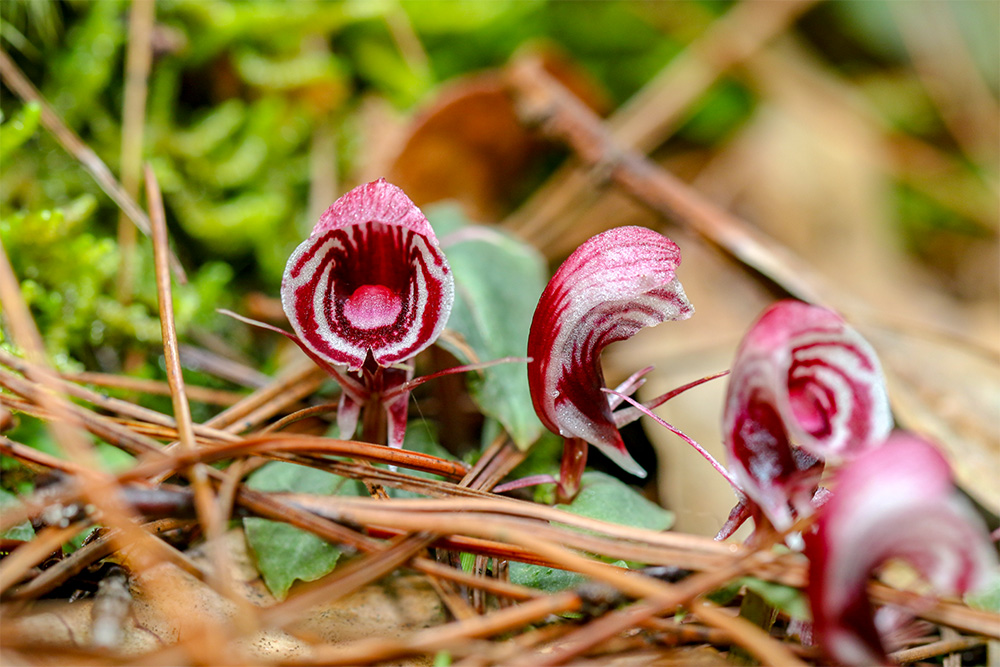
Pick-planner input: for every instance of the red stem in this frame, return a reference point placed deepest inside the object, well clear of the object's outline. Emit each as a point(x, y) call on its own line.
point(574, 462)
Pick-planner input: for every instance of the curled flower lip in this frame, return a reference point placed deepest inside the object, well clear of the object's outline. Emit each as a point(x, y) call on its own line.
point(613, 285)
point(805, 389)
point(895, 501)
point(370, 278)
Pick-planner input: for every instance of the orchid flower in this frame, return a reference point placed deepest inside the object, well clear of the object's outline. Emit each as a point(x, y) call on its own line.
point(896, 501)
point(805, 389)
point(370, 279)
point(613, 285)
point(366, 292)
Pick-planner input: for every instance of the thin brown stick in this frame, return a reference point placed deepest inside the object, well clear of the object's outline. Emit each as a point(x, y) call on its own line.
point(439, 638)
point(301, 444)
point(162, 464)
point(487, 584)
point(231, 482)
point(34, 457)
point(509, 507)
point(222, 366)
point(301, 376)
point(455, 603)
point(544, 102)
point(22, 326)
point(298, 382)
point(650, 116)
point(299, 415)
point(138, 58)
point(612, 624)
point(203, 496)
point(266, 507)
point(116, 405)
point(67, 138)
point(145, 386)
point(935, 649)
point(958, 616)
point(392, 478)
point(209, 516)
point(111, 430)
point(751, 637)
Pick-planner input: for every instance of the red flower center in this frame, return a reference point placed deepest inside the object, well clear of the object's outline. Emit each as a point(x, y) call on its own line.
point(372, 306)
point(811, 405)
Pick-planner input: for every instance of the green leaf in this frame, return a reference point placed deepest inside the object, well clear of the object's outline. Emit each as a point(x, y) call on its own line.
point(608, 499)
point(544, 578)
point(283, 553)
point(783, 598)
point(76, 542)
point(549, 579)
point(726, 594)
point(19, 129)
point(468, 561)
point(22, 531)
point(497, 284)
point(988, 597)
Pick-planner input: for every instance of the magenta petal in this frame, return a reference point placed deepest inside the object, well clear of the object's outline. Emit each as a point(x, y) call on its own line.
point(820, 376)
point(369, 278)
point(895, 501)
point(613, 285)
point(805, 388)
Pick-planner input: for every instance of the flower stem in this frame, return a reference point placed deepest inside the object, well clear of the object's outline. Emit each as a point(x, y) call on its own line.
point(373, 421)
point(574, 461)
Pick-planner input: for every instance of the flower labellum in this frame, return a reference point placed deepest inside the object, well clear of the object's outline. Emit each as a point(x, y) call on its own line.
point(369, 279)
point(805, 388)
point(613, 285)
point(896, 501)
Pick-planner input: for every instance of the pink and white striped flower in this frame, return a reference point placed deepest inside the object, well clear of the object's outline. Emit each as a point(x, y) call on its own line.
point(370, 279)
point(613, 285)
point(366, 292)
point(895, 501)
point(805, 389)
